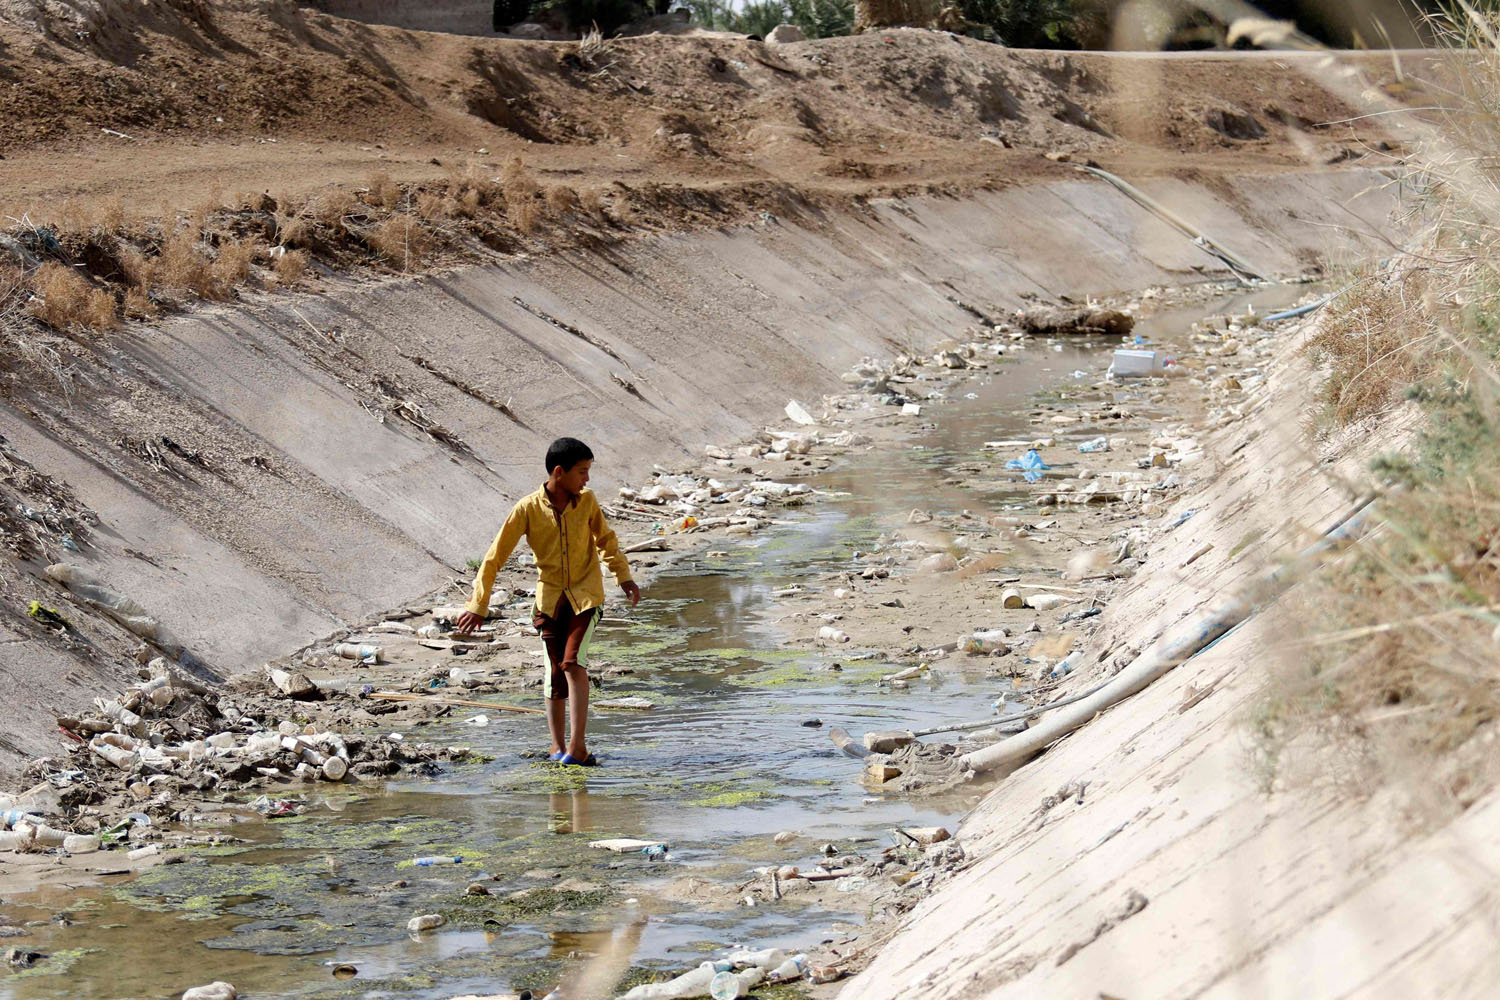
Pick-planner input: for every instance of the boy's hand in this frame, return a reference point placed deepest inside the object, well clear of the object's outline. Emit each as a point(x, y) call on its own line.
point(632, 591)
point(468, 622)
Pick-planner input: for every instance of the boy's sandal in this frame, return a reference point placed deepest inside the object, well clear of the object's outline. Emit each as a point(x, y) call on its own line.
point(569, 759)
point(556, 756)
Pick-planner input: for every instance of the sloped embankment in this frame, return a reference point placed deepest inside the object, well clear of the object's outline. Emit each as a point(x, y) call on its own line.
point(1152, 852)
point(267, 473)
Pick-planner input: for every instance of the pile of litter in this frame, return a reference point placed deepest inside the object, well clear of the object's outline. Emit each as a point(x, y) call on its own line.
point(169, 740)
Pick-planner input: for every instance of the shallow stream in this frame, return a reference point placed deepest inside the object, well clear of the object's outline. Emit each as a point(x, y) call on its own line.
point(725, 761)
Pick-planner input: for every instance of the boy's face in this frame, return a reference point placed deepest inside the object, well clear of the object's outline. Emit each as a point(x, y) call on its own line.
point(575, 479)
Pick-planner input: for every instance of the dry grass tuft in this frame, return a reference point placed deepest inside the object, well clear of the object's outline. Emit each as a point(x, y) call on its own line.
point(521, 193)
point(290, 267)
point(401, 241)
point(1397, 679)
point(384, 192)
point(64, 298)
point(1375, 341)
point(138, 304)
point(592, 202)
point(561, 199)
point(292, 228)
point(182, 264)
point(332, 207)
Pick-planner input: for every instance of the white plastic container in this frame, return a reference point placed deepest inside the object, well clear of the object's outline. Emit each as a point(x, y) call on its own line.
point(150, 850)
point(80, 843)
point(1133, 363)
point(985, 641)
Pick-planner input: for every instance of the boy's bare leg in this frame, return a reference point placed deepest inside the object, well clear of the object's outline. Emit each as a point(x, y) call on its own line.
point(555, 710)
point(578, 710)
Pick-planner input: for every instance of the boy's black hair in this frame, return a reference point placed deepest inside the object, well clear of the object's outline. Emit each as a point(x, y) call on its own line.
point(566, 452)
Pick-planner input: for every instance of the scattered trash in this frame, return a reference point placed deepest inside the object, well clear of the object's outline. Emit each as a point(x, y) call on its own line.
point(798, 414)
point(344, 971)
point(436, 859)
point(1030, 464)
point(832, 634)
point(625, 845)
point(926, 835)
point(1130, 363)
point(149, 851)
point(633, 702)
point(1094, 445)
point(911, 410)
point(785, 837)
point(1049, 321)
point(986, 641)
point(425, 922)
point(477, 721)
point(1045, 602)
point(363, 652)
point(938, 562)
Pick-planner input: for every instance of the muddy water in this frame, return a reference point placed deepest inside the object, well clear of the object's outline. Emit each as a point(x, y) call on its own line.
point(728, 758)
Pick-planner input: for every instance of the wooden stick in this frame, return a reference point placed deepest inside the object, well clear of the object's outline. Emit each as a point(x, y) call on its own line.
point(402, 696)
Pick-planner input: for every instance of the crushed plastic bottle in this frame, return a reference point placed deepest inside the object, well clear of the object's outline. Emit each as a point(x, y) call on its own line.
point(1095, 445)
point(437, 859)
point(730, 985)
point(793, 968)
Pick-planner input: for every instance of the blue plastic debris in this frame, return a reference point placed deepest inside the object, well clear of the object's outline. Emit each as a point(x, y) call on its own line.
point(1030, 464)
point(1183, 517)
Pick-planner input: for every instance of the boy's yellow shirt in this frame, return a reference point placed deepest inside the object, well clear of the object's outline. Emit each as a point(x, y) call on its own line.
point(567, 547)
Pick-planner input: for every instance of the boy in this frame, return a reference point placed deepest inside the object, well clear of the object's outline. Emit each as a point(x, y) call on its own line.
point(567, 532)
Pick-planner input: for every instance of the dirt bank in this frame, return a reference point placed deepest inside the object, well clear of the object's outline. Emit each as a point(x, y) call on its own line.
point(1148, 854)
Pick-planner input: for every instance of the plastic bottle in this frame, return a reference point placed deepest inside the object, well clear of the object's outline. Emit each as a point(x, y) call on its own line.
point(689, 984)
point(793, 968)
point(14, 840)
point(121, 758)
point(80, 843)
point(363, 652)
point(985, 641)
point(437, 859)
point(10, 817)
point(149, 850)
point(727, 985)
point(766, 958)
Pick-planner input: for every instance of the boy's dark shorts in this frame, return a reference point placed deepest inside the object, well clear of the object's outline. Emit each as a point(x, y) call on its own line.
point(566, 634)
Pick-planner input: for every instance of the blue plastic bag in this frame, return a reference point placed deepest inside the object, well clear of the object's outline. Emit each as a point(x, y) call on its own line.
point(1030, 464)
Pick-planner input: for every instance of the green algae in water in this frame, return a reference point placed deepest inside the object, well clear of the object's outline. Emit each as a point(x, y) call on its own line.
point(740, 797)
point(526, 905)
point(56, 963)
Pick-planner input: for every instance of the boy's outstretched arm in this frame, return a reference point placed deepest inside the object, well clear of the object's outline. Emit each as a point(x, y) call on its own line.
point(511, 533)
point(609, 549)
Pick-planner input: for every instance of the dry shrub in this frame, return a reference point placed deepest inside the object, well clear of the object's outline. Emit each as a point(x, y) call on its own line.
point(182, 264)
point(231, 267)
point(434, 205)
point(401, 241)
point(292, 227)
point(473, 181)
point(1397, 672)
point(469, 203)
point(521, 192)
point(592, 202)
point(290, 267)
point(12, 288)
point(138, 304)
point(110, 215)
point(526, 215)
point(64, 298)
point(384, 192)
point(330, 207)
point(1374, 342)
point(561, 199)
point(140, 270)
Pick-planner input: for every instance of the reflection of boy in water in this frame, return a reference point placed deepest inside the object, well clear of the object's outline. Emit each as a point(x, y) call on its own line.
point(567, 533)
